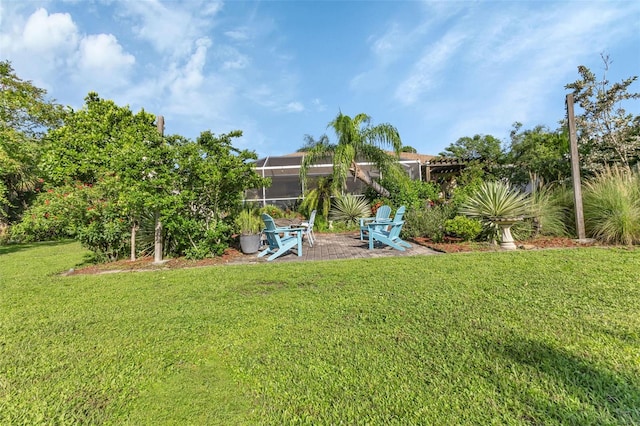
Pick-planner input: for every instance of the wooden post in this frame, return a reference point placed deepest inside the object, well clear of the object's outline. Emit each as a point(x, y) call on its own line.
point(575, 168)
point(157, 249)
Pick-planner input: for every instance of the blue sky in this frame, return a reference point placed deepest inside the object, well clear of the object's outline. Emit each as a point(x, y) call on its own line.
point(278, 70)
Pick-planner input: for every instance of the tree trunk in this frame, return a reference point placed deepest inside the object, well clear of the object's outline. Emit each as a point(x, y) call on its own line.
point(157, 252)
point(133, 242)
point(365, 177)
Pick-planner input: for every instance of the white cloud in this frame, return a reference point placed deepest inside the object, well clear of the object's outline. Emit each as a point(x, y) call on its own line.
point(428, 67)
point(103, 54)
point(171, 28)
point(190, 77)
point(294, 107)
point(239, 34)
point(43, 32)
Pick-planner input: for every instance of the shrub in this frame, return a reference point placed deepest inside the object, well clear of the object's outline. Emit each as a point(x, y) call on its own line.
point(349, 209)
point(495, 200)
point(612, 206)
point(548, 211)
point(404, 192)
point(273, 211)
point(463, 227)
point(428, 222)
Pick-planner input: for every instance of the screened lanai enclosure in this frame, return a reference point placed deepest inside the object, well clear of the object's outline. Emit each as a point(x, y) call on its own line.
point(287, 188)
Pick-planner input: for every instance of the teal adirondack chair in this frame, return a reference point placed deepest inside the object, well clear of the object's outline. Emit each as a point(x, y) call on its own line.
point(280, 239)
point(389, 234)
point(383, 213)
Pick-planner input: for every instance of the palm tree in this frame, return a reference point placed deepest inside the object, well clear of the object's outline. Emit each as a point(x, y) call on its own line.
point(357, 140)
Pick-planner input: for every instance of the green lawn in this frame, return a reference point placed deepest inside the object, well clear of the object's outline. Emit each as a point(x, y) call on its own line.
point(538, 337)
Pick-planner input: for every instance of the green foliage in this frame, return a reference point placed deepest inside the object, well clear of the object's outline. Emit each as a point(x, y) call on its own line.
point(463, 227)
point(273, 211)
point(428, 223)
point(195, 188)
point(56, 213)
point(357, 141)
point(542, 337)
point(248, 222)
point(496, 200)
point(404, 192)
point(349, 209)
point(318, 198)
point(612, 205)
point(607, 134)
point(25, 116)
point(538, 155)
point(548, 211)
point(484, 149)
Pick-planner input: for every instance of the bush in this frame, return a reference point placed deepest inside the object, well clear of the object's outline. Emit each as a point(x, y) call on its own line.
point(404, 192)
point(273, 211)
point(55, 214)
point(612, 206)
point(549, 210)
point(463, 227)
point(429, 223)
point(349, 209)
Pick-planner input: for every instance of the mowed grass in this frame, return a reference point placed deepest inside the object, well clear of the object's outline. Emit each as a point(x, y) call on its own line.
point(544, 337)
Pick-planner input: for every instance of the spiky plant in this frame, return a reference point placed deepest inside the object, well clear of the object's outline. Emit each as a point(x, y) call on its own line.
point(349, 209)
point(612, 205)
point(494, 201)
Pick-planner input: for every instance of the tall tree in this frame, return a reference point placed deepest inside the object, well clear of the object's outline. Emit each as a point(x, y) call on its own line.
point(357, 140)
point(538, 155)
point(607, 134)
point(478, 147)
point(25, 116)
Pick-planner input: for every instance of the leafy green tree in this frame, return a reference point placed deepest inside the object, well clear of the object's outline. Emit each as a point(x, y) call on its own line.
point(25, 116)
point(479, 147)
point(538, 155)
point(357, 140)
point(211, 177)
point(407, 148)
point(484, 150)
point(607, 134)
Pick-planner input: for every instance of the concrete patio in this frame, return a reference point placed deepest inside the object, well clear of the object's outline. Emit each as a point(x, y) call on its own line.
point(338, 246)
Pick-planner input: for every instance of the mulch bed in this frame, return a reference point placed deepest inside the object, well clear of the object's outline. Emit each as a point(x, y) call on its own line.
point(453, 246)
point(146, 264)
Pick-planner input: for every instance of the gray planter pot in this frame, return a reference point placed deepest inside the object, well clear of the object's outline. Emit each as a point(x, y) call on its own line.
point(250, 243)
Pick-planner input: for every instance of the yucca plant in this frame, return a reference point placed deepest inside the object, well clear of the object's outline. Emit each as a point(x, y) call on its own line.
point(612, 205)
point(349, 209)
point(495, 202)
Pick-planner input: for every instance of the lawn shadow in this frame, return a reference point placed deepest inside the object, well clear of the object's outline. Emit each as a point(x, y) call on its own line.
point(603, 395)
point(14, 248)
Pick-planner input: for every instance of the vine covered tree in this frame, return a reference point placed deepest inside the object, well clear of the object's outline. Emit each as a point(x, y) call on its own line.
point(607, 134)
point(357, 140)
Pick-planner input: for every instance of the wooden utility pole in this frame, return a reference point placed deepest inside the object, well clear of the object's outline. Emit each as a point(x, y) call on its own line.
point(575, 169)
point(157, 249)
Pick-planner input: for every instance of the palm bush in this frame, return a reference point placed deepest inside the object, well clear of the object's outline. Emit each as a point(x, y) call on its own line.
point(612, 205)
point(494, 201)
point(349, 209)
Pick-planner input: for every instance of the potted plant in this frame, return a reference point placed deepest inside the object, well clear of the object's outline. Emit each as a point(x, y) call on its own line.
point(250, 225)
